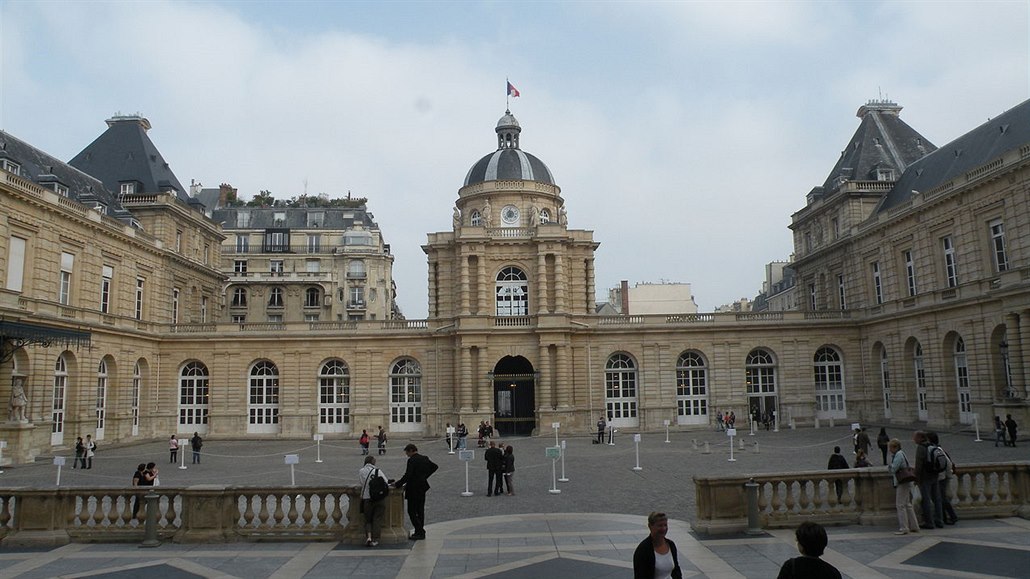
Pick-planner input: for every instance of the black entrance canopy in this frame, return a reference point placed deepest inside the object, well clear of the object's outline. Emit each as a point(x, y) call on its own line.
point(15, 335)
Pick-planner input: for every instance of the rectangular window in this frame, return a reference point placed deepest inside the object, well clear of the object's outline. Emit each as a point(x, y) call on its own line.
point(275, 266)
point(357, 296)
point(840, 292)
point(67, 266)
point(61, 190)
point(207, 253)
point(316, 218)
point(239, 267)
point(811, 296)
point(139, 297)
point(243, 219)
point(877, 284)
point(1001, 262)
point(910, 273)
point(127, 189)
point(11, 167)
point(239, 318)
point(313, 266)
point(950, 267)
point(242, 243)
point(203, 309)
point(835, 224)
point(178, 241)
point(275, 318)
point(310, 317)
point(175, 305)
point(16, 263)
point(105, 289)
point(314, 243)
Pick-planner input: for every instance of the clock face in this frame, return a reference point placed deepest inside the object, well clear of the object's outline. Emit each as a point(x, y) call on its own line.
point(510, 214)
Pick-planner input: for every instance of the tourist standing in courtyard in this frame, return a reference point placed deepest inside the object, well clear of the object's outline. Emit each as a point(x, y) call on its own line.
point(602, 424)
point(655, 556)
point(363, 442)
point(495, 469)
point(91, 451)
point(381, 441)
point(196, 443)
point(80, 453)
point(881, 441)
point(837, 462)
point(864, 443)
point(463, 435)
point(999, 432)
point(903, 477)
point(944, 481)
point(812, 540)
point(173, 449)
point(1011, 425)
point(373, 510)
point(509, 468)
point(929, 489)
point(416, 483)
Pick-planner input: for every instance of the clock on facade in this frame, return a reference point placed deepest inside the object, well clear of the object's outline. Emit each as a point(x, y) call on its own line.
point(510, 214)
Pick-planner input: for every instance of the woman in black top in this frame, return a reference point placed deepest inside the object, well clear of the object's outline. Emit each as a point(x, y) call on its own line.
point(812, 542)
point(509, 468)
point(651, 559)
point(881, 441)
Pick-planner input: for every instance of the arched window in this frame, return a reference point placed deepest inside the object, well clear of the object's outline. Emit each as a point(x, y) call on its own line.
point(312, 297)
point(760, 379)
point(275, 297)
point(406, 395)
point(334, 397)
point(137, 386)
point(239, 297)
point(512, 293)
point(620, 390)
point(194, 398)
point(919, 371)
point(545, 216)
point(829, 384)
point(476, 219)
point(691, 388)
point(263, 401)
point(965, 405)
point(60, 391)
point(100, 411)
point(885, 382)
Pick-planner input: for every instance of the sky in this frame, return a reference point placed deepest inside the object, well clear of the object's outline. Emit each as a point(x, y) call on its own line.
point(683, 134)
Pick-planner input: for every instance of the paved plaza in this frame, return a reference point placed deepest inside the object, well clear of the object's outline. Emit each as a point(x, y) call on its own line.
point(590, 529)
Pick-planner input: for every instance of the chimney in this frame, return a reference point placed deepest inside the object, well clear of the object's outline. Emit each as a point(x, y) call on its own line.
point(625, 297)
point(225, 191)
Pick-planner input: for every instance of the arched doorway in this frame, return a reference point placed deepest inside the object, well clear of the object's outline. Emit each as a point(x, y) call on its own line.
point(514, 397)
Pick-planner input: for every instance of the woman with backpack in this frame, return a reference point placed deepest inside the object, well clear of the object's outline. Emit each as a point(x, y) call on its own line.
point(373, 503)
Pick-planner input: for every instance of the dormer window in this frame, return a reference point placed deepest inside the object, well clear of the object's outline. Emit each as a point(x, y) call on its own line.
point(127, 188)
point(885, 174)
point(101, 209)
point(279, 217)
point(10, 166)
point(61, 190)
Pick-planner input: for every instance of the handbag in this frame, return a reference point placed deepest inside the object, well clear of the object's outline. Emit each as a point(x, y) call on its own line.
point(906, 473)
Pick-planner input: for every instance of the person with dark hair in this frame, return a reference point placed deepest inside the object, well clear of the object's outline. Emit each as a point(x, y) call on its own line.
point(655, 556)
point(837, 462)
point(907, 521)
point(373, 510)
point(196, 443)
point(1011, 425)
point(509, 468)
point(416, 483)
point(999, 432)
point(495, 469)
point(137, 481)
point(881, 442)
point(944, 483)
point(929, 489)
point(812, 540)
point(80, 453)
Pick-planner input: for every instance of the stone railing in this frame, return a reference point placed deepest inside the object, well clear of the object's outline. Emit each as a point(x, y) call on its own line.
point(197, 514)
point(867, 497)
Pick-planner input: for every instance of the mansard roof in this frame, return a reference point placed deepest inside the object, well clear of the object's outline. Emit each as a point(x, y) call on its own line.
point(978, 147)
point(882, 142)
point(125, 153)
point(45, 170)
point(332, 218)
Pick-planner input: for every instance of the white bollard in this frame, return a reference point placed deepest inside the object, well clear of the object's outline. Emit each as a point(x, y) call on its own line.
point(793, 426)
point(292, 459)
point(976, 423)
point(756, 447)
point(182, 453)
point(318, 446)
point(666, 431)
point(741, 447)
point(731, 433)
point(708, 449)
point(831, 422)
point(636, 444)
point(563, 477)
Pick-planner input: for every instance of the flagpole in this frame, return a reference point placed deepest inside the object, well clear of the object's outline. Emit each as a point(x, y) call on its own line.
point(507, 94)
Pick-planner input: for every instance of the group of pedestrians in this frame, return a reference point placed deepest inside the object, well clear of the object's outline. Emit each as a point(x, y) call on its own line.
point(932, 470)
point(145, 476)
point(196, 443)
point(84, 452)
point(365, 440)
point(1001, 428)
point(725, 420)
point(500, 466)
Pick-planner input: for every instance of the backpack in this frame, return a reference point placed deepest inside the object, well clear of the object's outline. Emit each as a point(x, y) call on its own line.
point(936, 460)
point(378, 488)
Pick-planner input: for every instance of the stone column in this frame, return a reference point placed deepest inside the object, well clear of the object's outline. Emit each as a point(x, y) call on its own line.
point(563, 383)
point(484, 285)
point(559, 283)
point(545, 385)
point(541, 284)
point(465, 379)
point(464, 287)
point(590, 286)
point(486, 387)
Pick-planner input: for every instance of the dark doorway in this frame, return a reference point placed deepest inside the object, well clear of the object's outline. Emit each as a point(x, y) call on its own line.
point(514, 397)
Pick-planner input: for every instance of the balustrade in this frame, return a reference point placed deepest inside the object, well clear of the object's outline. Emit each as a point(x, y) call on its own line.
point(206, 513)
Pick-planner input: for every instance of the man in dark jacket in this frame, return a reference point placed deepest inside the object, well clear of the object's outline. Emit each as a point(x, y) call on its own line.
point(495, 469)
point(929, 487)
point(1011, 426)
point(416, 482)
point(837, 461)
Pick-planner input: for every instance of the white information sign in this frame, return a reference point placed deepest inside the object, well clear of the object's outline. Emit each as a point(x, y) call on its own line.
point(58, 461)
point(636, 438)
point(666, 422)
point(318, 437)
point(856, 426)
point(556, 425)
point(731, 432)
point(466, 455)
point(553, 452)
point(292, 459)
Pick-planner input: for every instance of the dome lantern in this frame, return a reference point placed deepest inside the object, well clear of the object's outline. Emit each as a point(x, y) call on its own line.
point(508, 130)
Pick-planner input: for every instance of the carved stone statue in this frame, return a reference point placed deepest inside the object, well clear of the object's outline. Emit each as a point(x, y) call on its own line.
point(456, 219)
point(486, 213)
point(16, 408)
point(532, 215)
point(563, 217)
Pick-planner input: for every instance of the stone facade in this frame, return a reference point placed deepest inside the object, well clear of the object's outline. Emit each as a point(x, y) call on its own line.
point(512, 336)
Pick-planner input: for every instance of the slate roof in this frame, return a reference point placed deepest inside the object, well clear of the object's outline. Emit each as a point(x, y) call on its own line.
point(337, 218)
point(44, 170)
point(509, 162)
point(124, 152)
point(980, 146)
point(882, 141)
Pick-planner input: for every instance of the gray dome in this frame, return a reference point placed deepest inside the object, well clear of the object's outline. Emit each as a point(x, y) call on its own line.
point(508, 162)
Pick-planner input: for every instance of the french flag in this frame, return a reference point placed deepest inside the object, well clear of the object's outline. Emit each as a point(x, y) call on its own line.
point(512, 91)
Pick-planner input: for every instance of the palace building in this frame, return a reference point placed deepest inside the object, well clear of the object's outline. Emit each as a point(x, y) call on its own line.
point(131, 308)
